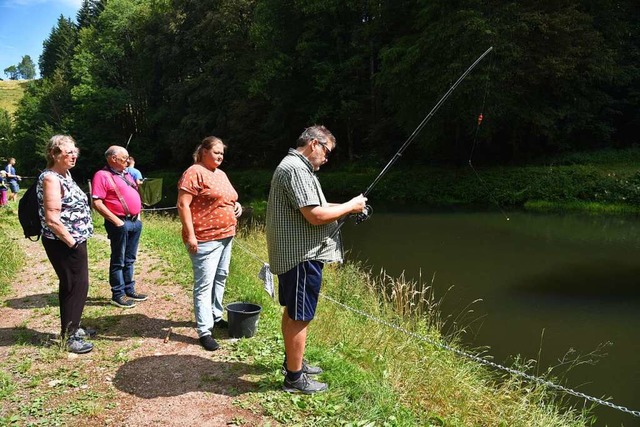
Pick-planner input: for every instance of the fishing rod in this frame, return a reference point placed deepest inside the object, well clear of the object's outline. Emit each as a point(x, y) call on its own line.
point(368, 211)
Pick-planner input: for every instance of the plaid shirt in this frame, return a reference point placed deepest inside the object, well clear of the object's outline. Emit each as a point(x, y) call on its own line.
point(291, 239)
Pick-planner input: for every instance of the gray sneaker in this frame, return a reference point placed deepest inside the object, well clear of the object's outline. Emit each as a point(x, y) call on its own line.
point(304, 384)
point(86, 332)
point(77, 345)
point(306, 368)
point(122, 302)
point(137, 297)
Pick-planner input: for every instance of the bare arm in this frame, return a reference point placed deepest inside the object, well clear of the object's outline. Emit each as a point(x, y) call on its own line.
point(184, 211)
point(52, 201)
point(10, 175)
point(98, 204)
point(319, 215)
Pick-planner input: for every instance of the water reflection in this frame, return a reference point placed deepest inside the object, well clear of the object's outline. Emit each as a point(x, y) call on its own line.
point(601, 279)
point(548, 283)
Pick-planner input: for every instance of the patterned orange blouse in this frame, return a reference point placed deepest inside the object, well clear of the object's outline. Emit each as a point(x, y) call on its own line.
point(212, 207)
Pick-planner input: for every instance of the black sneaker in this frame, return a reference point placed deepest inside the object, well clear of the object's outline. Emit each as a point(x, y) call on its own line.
point(222, 324)
point(137, 297)
point(122, 302)
point(209, 343)
point(306, 368)
point(304, 384)
point(77, 345)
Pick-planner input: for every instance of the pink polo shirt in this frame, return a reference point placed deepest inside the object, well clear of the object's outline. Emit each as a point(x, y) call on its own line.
point(102, 188)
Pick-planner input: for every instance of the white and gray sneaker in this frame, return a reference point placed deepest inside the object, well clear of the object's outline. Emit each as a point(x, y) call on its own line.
point(86, 332)
point(76, 344)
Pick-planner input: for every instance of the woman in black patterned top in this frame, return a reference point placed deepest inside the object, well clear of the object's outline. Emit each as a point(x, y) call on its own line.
point(65, 216)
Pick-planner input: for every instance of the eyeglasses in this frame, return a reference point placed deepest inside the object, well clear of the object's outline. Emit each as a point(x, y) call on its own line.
point(326, 149)
point(72, 153)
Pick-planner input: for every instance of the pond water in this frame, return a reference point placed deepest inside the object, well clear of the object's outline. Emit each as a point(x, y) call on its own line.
point(548, 284)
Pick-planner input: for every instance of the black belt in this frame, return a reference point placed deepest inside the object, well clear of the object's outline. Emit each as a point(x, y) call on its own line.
point(132, 218)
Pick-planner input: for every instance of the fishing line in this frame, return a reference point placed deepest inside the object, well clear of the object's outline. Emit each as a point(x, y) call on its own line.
point(368, 210)
point(475, 142)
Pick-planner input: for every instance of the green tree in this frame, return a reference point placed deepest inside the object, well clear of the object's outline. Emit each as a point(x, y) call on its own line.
point(89, 12)
point(318, 62)
point(617, 21)
point(57, 51)
point(543, 83)
point(26, 68)
point(6, 133)
point(111, 94)
point(44, 110)
point(563, 76)
point(12, 72)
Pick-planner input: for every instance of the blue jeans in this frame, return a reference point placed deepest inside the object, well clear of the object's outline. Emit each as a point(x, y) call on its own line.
point(210, 271)
point(124, 249)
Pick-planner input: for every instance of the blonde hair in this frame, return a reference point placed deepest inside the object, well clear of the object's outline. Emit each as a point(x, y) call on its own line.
point(53, 147)
point(206, 144)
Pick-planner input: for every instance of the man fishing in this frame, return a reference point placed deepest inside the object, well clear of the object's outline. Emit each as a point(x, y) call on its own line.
point(300, 239)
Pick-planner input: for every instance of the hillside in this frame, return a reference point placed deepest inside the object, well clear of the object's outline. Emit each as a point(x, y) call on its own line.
point(11, 92)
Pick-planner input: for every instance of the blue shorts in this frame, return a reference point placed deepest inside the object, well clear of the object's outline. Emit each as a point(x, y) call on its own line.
point(14, 186)
point(299, 288)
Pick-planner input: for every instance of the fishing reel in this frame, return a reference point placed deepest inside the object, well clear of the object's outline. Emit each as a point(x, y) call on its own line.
point(364, 215)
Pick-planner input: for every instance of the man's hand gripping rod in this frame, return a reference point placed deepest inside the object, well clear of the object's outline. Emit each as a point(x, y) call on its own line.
point(366, 213)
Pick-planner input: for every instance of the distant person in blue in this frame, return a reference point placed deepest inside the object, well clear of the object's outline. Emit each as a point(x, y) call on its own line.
point(12, 179)
point(135, 173)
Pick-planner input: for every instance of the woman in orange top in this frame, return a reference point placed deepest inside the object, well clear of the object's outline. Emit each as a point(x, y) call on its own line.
point(208, 208)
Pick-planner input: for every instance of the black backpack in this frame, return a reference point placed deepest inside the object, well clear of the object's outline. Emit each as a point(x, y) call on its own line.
point(28, 213)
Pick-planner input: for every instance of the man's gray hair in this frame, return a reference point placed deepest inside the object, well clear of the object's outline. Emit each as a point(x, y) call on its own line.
point(317, 132)
point(112, 151)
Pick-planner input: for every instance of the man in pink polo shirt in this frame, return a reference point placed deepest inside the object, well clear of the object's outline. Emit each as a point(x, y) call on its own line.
point(115, 196)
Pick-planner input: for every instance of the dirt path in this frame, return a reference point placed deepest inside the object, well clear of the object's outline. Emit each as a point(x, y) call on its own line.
point(138, 378)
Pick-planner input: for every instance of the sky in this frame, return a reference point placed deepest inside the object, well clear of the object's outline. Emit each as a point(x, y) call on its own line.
point(25, 24)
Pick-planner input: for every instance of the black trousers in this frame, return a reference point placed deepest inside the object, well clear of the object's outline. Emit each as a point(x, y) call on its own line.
point(72, 268)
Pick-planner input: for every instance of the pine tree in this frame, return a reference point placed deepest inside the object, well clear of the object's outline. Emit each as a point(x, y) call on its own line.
point(58, 49)
point(89, 12)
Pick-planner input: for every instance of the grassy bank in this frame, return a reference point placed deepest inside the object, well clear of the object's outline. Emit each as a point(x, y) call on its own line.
point(11, 92)
point(377, 375)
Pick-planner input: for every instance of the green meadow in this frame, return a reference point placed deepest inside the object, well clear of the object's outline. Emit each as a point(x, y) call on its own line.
point(11, 92)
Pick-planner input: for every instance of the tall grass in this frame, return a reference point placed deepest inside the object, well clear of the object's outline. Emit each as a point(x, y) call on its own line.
point(383, 368)
point(11, 257)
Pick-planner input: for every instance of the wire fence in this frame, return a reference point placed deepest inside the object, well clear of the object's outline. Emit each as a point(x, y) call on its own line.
point(533, 379)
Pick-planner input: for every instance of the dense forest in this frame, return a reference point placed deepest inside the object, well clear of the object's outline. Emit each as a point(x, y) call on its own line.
point(563, 76)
